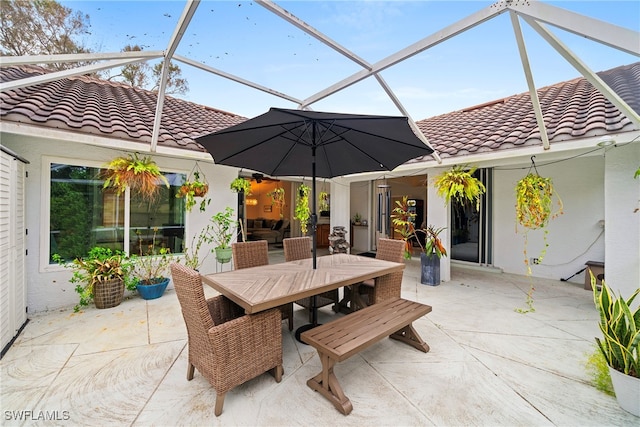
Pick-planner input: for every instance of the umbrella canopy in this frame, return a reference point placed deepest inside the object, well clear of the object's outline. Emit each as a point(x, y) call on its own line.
point(284, 142)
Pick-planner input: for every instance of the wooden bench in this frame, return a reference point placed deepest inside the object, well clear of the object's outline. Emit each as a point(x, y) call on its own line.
point(340, 339)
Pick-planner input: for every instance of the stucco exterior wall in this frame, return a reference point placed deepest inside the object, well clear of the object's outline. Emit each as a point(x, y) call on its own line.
point(622, 225)
point(574, 238)
point(48, 285)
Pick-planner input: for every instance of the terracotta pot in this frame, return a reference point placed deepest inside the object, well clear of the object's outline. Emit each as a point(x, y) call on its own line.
point(200, 191)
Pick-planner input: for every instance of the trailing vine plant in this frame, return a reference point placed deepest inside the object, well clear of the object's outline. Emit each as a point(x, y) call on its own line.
point(192, 188)
point(459, 184)
point(241, 185)
point(323, 201)
point(534, 209)
point(140, 173)
point(277, 198)
point(302, 211)
point(635, 176)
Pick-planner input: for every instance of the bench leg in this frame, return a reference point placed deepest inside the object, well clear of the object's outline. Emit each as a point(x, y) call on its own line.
point(409, 336)
point(327, 384)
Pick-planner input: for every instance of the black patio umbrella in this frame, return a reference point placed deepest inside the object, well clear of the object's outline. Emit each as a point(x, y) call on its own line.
point(284, 142)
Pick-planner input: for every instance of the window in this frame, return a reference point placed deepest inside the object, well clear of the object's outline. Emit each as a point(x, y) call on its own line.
point(83, 215)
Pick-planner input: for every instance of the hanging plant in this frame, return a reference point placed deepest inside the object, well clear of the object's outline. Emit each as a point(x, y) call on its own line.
point(534, 202)
point(140, 174)
point(277, 198)
point(303, 212)
point(534, 209)
point(460, 185)
point(323, 201)
point(241, 185)
point(194, 187)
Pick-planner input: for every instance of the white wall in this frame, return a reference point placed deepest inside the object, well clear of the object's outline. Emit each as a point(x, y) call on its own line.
point(48, 285)
point(574, 237)
point(621, 199)
point(438, 215)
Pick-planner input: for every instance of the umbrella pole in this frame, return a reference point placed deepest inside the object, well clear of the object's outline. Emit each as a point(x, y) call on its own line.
point(314, 225)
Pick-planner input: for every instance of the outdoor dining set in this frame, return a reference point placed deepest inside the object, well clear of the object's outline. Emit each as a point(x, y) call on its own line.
point(237, 335)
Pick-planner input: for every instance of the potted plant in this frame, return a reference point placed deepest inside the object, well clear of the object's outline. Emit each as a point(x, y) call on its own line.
point(151, 267)
point(222, 232)
point(534, 209)
point(277, 198)
point(620, 344)
point(241, 185)
point(323, 203)
point(140, 174)
point(193, 188)
point(99, 277)
point(459, 184)
point(357, 219)
point(427, 239)
point(192, 253)
point(303, 212)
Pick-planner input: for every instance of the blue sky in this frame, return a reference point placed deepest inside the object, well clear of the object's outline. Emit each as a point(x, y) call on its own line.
point(245, 39)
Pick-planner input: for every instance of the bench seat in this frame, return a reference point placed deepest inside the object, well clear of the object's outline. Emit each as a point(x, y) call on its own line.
point(340, 339)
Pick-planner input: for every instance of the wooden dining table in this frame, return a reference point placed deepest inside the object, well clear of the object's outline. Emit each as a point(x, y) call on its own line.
point(260, 288)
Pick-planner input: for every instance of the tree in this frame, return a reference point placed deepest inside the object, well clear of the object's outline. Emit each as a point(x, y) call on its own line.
point(133, 74)
point(41, 27)
point(175, 82)
point(139, 74)
point(45, 27)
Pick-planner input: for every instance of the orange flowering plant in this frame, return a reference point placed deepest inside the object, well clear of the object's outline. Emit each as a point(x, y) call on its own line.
point(427, 238)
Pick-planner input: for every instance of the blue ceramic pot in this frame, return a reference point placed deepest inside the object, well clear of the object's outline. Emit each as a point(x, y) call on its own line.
point(153, 290)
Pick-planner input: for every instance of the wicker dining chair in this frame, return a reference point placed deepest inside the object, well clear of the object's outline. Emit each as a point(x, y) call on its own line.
point(300, 248)
point(255, 254)
point(226, 346)
point(387, 286)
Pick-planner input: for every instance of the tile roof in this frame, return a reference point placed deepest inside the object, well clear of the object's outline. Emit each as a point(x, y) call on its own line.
point(571, 109)
point(93, 106)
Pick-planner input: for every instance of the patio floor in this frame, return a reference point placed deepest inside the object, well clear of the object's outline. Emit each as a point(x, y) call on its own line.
point(488, 365)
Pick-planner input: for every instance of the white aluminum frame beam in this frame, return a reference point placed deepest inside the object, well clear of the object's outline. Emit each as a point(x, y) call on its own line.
point(49, 77)
point(236, 79)
point(533, 93)
point(77, 57)
point(582, 68)
point(295, 21)
point(434, 39)
point(593, 29)
point(187, 14)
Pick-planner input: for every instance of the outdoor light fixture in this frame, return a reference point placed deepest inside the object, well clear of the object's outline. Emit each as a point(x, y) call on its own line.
point(606, 141)
point(252, 202)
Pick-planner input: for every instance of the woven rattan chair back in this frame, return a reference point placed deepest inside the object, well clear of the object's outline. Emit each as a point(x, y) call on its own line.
point(390, 250)
point(250, 254)
point(390, 285)
point(226, 353)
point(255, 254)
point(296, 248)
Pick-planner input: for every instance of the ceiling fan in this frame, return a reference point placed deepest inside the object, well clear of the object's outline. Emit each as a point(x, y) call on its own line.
point(258, 177)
